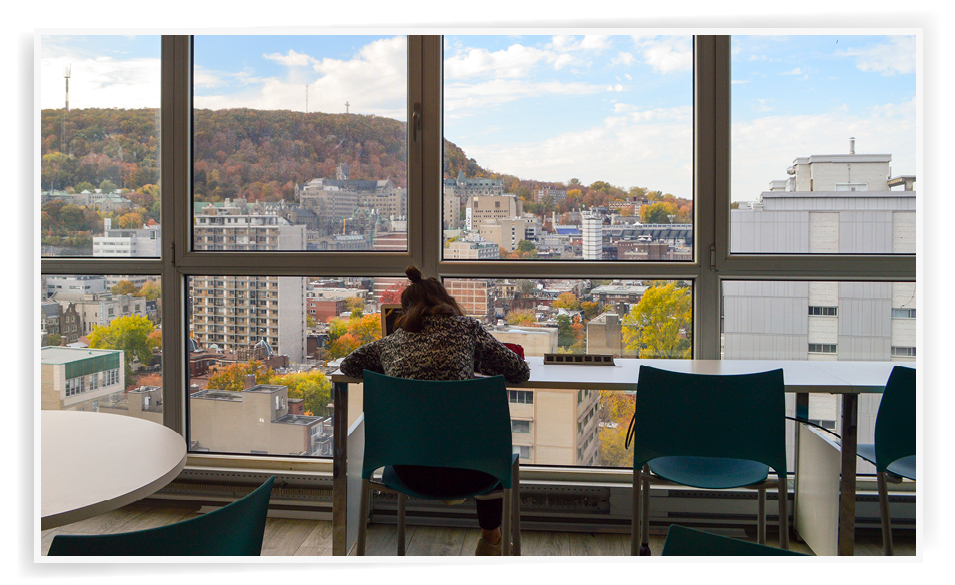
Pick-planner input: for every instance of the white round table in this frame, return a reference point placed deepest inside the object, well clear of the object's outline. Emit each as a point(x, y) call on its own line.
point(93, 462)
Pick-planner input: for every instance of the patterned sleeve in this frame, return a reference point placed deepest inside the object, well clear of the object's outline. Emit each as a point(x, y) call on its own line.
point(366, 357)
point(491, 357)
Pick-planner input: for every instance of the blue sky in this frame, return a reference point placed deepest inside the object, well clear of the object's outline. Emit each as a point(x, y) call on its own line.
point(616, 108)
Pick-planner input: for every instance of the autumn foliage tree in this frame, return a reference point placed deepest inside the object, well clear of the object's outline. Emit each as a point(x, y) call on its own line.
point(347, 335)
point(659, 325)
point(232, 377)
point(129, 334)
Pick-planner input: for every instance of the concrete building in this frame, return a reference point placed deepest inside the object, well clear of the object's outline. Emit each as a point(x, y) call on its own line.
point(471, 295)
point(840, 204)
point(507, 232)
point(116, 243)
point(605, 336)
point(74, 286)
point(236, 312)
point(79, 379)
point(255, 420)
point(472, 247)
point(482, 209)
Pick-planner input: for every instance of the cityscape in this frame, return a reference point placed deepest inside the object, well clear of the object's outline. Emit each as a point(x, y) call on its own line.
point(261, 347)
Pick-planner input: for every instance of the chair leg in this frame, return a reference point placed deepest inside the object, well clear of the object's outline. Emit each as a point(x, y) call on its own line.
point(783, 514)
point(506, 523)
point(402, 499)
point(636, 520)
point(516, 511)
point(363, 516)
point(645, 528)
point(761, 516)
point(887, 548)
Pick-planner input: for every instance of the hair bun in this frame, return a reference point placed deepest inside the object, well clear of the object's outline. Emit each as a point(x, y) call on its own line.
point(413, 274)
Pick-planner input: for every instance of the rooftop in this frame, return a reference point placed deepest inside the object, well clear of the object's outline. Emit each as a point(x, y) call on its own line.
point(57, 355)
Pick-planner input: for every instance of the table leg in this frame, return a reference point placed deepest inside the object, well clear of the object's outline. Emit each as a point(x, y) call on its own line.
point(339, 462)
point(847, 487)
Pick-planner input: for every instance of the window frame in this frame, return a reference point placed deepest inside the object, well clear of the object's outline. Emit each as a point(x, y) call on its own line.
point(713, 262)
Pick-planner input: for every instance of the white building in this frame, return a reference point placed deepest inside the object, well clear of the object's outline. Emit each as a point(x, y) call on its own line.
point(839, 204)
point(116, 243)
point(592, 230)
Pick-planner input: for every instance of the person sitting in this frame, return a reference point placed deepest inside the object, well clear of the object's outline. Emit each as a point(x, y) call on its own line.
point(434, 340)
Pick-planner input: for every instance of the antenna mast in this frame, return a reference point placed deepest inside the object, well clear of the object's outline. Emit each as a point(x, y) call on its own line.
point(66, 108)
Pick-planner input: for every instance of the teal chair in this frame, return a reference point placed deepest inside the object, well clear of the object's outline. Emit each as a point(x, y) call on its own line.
point(893, 452)
point(708, 432)
point(236, 529)
point(462, 423)
point(689, 542)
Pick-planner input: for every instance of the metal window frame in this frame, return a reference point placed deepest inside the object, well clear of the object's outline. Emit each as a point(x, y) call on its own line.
point(713, 262)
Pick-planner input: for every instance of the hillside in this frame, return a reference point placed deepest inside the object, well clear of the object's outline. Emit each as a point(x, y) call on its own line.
point(257, 154)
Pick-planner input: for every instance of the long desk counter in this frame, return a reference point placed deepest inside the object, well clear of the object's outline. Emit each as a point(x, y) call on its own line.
point(802, 378)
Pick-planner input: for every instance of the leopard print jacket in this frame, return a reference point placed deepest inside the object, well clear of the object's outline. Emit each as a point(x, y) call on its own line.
point(447, 348)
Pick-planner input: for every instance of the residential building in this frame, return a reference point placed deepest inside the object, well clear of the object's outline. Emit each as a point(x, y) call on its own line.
point(79, 379)
point(482, 209)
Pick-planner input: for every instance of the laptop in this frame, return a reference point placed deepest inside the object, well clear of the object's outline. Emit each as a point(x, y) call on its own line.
point(389, 317)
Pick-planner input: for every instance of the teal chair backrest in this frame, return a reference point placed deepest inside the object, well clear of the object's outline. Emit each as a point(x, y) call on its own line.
point(739, 416)
point(688, 542)
point(236, 529)
point(459, 423)
point(895, 423)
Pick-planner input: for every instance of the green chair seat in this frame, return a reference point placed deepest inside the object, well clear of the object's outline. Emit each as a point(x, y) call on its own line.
point(904, 467)
point(391, 479)
point(688, 542)
point(718, 473)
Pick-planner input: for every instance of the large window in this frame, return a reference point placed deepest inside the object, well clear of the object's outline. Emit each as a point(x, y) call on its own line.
point(300, 143)
point(568, 147)
point(287, 160)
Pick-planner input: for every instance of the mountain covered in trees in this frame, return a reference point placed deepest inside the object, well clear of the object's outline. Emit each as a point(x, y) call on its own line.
point(261, 155)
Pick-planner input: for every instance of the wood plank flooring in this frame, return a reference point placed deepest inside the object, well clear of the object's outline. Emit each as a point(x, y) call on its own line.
point(297, 537)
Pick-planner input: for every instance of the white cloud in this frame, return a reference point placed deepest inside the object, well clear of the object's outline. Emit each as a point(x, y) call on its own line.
point(515, 61)
point(99, 82)
point(666, 54)
point(622, 58)
point(896, 56)
point(796, 71)
point(461, 99)
point(372, 82)
point(292, 59)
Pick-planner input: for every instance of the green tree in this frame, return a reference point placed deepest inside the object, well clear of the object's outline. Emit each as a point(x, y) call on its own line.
point(130, 334)
point(657, 212)
point(313, 387)
point(522, 317)
point(232, 377)
point(108, 186)
point(527, 249)
point(658, 326)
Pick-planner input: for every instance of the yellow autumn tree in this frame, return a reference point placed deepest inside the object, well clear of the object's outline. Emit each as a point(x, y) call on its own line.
point(659, 325)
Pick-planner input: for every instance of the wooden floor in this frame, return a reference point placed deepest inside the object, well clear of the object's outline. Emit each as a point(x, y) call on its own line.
point(295, 537)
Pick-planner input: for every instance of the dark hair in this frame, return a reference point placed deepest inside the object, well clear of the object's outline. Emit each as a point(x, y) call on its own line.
point(422, 298)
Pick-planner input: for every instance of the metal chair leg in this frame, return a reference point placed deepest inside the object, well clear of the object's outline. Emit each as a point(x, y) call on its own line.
point(506, 523)
point(783, 514)
point(636, 520)
point(887, 548)
point(645, 529)
point(516, 511)
point(761, 516)
point(402, 499)
point(363, 516)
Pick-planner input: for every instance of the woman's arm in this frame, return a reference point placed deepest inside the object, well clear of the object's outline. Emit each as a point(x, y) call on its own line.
point(366, 357)
point(491, 357)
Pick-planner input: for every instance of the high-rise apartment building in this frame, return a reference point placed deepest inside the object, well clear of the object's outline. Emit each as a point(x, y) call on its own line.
point(237, 312)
